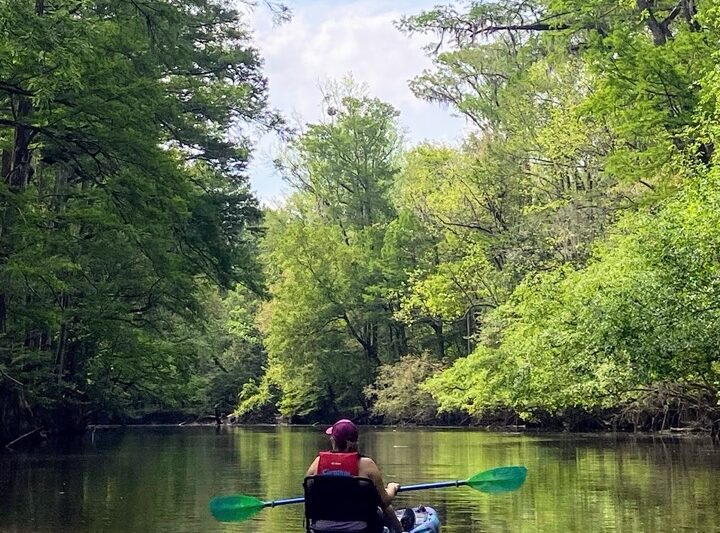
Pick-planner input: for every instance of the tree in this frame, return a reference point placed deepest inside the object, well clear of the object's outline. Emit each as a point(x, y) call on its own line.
point(637, 316)
point(394, 393)
point(330, 322)
point(122, 191)
point(585, 110)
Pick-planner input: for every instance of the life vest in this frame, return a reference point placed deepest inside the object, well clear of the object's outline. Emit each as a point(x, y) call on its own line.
point(338, 464)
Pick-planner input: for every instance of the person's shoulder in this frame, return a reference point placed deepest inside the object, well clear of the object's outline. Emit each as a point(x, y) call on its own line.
point(312, 469)
point(364, 459)
point(367, 466)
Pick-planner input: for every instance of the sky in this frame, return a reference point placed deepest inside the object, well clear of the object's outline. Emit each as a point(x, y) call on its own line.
point(327, 40)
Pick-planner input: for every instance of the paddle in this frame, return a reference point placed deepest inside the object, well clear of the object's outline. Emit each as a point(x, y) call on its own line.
point(239, 507)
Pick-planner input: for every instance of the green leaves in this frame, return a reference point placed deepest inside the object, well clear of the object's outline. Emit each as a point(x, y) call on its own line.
point(329, 262)
point(639, 313)
point(586, 109)
point(563, 256)
point(390, 396)
point(124, 193)
point(349, 163)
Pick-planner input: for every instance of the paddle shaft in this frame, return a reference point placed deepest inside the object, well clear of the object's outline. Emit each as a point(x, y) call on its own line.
point(286, 501)
point(437, 485)
point(403, 488)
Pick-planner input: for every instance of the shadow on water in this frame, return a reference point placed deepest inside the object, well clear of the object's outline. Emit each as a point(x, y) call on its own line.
point(161, 479)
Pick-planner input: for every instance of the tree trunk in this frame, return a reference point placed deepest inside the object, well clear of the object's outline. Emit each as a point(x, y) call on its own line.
point(689, 10)
point(20, 165)
point(370, 345)
point(3, 328)
point(402, 337)
point(469, 330)
point(4, 172)
point(440, 335)
point(6, 162)
point(394, 349)
point(660, 29)
point(60, 352)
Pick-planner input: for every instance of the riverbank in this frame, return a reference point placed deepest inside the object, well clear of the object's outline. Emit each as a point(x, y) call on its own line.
point(521, 429)
point(674, 433)
point(576, 421)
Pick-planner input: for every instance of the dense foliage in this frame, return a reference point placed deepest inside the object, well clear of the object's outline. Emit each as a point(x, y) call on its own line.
point(616, 162)
point(123, 137)
point(563, 260)
point(561, 264)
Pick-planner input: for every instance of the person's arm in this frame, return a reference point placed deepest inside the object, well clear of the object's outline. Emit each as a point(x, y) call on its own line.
point(387, 494)
point(312, 470)
point(392, 519)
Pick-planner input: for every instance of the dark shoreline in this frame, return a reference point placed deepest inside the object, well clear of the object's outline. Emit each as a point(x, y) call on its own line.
point(574, 423)
point(673, 432)
point(39, 441)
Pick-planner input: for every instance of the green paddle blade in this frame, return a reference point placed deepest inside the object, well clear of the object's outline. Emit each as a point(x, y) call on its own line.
point(501, 479)
point(235, 508)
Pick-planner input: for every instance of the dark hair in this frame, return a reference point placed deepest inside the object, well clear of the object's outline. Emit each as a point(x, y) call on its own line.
point(345, 445)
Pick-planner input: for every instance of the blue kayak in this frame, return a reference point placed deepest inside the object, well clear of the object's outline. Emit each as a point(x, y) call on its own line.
point(426, 519)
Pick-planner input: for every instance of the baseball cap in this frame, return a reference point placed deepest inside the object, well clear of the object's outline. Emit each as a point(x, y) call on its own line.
point(343, 431)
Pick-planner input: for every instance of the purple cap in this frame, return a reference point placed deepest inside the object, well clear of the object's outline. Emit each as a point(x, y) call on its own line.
point(343, 431)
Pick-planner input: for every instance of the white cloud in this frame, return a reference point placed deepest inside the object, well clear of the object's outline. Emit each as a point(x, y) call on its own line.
point(329, 39)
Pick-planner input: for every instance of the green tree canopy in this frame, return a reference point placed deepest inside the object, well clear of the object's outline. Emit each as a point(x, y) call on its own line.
point(123, 132)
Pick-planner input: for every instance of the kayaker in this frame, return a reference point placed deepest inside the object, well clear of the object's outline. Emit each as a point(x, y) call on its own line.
point(344, 459)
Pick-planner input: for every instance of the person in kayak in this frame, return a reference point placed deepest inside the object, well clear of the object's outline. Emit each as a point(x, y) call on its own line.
point(344, 460)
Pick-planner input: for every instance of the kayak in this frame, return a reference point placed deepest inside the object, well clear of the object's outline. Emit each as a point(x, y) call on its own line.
point(426, 519)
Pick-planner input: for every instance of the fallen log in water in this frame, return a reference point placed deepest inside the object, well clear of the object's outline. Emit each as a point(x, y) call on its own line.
point(9, 445)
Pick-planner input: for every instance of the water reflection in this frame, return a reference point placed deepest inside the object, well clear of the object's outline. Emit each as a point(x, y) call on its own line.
point(160, 479)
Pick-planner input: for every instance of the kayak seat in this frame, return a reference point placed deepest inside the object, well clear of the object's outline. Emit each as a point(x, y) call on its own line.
point(341, 503)
point(407, 520)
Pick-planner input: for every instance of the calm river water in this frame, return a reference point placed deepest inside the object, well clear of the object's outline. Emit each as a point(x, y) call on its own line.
point(161, 479)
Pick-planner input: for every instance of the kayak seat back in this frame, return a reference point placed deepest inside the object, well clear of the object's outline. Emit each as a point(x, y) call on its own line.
point(341, 503)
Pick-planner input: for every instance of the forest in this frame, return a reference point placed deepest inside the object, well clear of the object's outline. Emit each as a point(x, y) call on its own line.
point(560, 268)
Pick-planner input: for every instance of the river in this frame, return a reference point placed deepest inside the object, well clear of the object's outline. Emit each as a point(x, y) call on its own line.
point(161, 479)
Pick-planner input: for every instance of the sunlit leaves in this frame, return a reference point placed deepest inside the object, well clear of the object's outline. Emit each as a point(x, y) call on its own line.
point(639, 313)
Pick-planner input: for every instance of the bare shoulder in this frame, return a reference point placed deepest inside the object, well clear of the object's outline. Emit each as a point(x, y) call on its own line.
point(313, 467)
point(367, 461)
point(368, 468)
